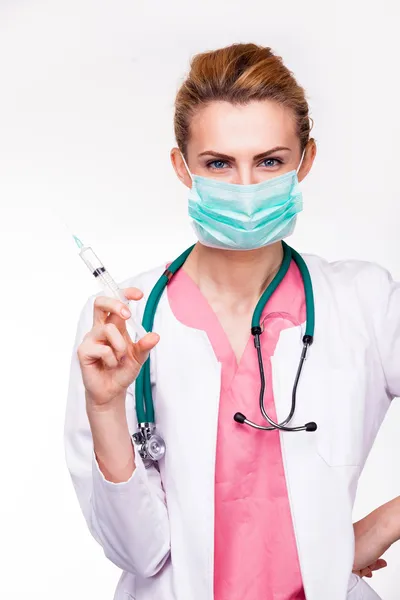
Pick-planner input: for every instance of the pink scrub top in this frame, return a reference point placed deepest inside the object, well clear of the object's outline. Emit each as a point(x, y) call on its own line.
point(255, 549)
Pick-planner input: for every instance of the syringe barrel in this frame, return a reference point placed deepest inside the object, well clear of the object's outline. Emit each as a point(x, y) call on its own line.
point(99, 271)
point(92, 261)
point(105, 280)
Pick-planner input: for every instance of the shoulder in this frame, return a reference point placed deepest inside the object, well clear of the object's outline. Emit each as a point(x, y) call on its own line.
point(348, 271)
point(367, 283)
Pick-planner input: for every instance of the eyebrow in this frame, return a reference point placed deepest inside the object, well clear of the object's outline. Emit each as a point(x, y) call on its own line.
point(232, 158)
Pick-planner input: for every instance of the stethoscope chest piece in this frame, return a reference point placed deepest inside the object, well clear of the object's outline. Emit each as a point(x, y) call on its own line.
point(151, 445)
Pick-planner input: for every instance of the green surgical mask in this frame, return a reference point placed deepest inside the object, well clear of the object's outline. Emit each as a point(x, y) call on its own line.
point(244, 217)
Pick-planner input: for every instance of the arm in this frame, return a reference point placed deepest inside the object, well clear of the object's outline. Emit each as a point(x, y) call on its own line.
point(385, 311)
point(122, 501)
point(111, 441)
point(390, 521)
point(376, 532)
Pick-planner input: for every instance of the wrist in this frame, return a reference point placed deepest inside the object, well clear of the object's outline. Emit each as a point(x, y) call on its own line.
point(112, 443)
point(107, 422)
point(112, 406)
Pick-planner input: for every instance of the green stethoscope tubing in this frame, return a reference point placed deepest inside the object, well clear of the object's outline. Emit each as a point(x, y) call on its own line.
point(143, 391)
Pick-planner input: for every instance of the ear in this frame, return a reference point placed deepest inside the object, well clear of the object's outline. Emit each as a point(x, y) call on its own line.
point(180, 167)
point(308, 161)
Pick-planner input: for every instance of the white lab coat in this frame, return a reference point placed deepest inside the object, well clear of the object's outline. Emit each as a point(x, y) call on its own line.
point(158, 527)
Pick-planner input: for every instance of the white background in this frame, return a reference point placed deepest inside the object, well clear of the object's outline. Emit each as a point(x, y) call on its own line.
point(86, 103)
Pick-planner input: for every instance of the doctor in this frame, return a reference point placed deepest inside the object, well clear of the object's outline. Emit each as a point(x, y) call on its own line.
point(232, 511)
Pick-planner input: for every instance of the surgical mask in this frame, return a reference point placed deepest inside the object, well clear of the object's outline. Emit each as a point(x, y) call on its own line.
point(244, 217)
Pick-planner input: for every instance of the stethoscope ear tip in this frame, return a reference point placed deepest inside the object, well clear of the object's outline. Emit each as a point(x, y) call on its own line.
point(311, 426)
point(239, 417)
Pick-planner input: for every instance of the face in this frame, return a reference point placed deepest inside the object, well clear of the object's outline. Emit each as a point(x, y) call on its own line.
point(243, 144)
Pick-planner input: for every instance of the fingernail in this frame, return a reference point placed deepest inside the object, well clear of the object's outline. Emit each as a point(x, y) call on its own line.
point(125, 312)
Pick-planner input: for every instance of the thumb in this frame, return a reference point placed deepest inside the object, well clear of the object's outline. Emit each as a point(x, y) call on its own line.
point(143, 347)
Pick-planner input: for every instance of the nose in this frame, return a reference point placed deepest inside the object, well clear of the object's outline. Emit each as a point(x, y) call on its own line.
point(245, 175)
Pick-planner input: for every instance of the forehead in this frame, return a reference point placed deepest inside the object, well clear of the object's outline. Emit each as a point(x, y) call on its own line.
point(238, 129)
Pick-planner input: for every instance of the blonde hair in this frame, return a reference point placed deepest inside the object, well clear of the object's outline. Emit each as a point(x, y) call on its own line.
point(239, 74)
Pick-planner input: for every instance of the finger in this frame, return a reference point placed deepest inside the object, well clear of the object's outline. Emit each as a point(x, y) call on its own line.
point(132, 293)
point(90, 353)
point(110, 334)
point(378, 564)
point(366, 572)
point(104, 305)
point(119, 323)
point(143, 347)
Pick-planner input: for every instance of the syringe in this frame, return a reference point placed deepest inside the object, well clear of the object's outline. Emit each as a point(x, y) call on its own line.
point(99, 271)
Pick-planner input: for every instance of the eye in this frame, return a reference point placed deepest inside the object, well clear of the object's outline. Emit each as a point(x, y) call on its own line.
point(271, 162)
point(217, 164)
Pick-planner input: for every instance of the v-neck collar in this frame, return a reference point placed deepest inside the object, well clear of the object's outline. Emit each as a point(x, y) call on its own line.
point(191, 307)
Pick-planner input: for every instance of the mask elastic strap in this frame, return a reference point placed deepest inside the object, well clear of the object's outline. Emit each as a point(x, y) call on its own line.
point(187, 168)
point(301, 161)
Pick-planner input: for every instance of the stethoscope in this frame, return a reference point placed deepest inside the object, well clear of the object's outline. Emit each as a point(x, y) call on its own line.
point(150, 443)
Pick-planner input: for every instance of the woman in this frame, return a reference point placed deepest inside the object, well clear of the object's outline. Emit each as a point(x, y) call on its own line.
point(232, 512)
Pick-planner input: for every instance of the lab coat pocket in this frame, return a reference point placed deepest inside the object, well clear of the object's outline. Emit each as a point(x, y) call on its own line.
point(339, 402)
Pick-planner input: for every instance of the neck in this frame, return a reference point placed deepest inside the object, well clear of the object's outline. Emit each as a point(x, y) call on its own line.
point(241, 275)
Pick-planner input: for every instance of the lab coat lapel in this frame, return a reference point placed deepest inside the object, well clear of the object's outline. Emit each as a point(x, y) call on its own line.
point(311, 482)
point(187, 394)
